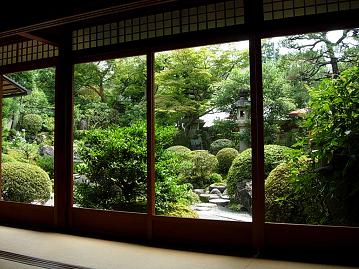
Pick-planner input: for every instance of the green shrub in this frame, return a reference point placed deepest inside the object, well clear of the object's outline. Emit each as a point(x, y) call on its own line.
point(170, 192)
point(23, 182)
point(241, 168)
point(225, 158)
point(115, 163)
point(32, 123)
point(220, 144)
point(179, 150)
point(215, 178)
point(7, 159)
point(182, 211)
point(291, 195)
point(16, 154)
point(199, 169)
point(47, 164)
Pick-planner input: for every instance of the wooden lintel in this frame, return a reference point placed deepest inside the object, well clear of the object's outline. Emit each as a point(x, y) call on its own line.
point(38, 38)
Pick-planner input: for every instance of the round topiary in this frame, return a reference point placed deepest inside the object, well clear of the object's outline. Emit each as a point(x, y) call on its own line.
point(201, 165)
point(179, 150)
point(32, 123)
point(219, 144)
point(23, 182)
point(289, 198)
point(241, 168)
point(225, 158)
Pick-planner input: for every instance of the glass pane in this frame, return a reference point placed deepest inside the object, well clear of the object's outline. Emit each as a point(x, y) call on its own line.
point(311, 101)
point(110, 152)
point(203, 155)
point(28, 137)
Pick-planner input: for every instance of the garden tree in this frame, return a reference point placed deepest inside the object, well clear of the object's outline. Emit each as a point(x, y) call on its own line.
point(278, 99)
point(185, 82)
point(45, 80)
point(36, 102)
point(128, 95)
point(321, 55)
point(94, 77)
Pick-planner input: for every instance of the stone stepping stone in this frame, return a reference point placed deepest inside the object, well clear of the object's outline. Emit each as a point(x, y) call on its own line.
point(205, 197)
point(225, 197)
point(221, 188)
point(199, 191)
point(219, 201)
point(204, 207)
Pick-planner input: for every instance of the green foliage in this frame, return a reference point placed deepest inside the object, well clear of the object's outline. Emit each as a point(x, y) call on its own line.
point(22, 151)
point(334, 144)
point(333, 120)
point(182, 211)
point(220, 144)
point(7, 159)
point(47, 164)
point(215, 178)
point(293, 195)
point(225, 128)
point(241, 169)
point(24, 182)
point(32, 123)
point(199, 169)
point(116, 165)
point(170, 192)
point(225, 158)
point(179, 150)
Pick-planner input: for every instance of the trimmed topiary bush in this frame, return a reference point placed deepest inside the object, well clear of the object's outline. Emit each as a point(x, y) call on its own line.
point(199, 169)
point(181, 151)
point(291, 195)
point(225, 158)
point(32, 123)
point(241, 168)
point(219, 144)
point(23, 182)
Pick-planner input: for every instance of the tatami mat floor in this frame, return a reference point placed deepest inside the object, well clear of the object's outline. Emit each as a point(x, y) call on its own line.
point(94, 253)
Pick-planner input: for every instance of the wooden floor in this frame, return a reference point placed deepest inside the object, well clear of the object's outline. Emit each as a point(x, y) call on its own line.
point(30, 249)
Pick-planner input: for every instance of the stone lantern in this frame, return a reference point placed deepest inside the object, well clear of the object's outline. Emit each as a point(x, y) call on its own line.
point(242, 108)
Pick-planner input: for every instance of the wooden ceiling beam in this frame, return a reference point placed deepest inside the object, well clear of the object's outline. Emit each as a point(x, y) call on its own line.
point(38, 38)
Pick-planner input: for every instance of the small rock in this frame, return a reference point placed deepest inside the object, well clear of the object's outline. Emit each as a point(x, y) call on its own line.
point(221, 188)
point(46, 151)
point(204, 197)
point(216, 191)
point(198, 191)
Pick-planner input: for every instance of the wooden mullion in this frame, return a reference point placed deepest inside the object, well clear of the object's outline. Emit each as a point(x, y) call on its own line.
point(257, 132)
point(63, 136)
point(150, 143)
point(257, 140)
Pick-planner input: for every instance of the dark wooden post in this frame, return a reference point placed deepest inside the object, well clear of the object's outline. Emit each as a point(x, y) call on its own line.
point(150, 143)
point(255, 19)
point(257, 140)
point(63, 135)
